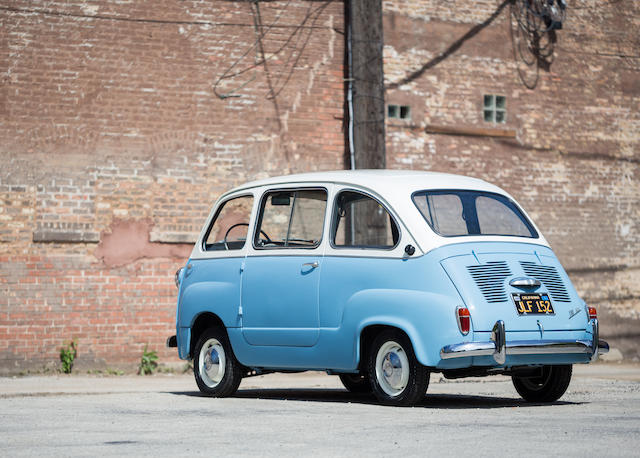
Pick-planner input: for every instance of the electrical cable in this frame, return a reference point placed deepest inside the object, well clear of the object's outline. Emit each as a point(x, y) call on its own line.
point(227, 75)
point(137, 20)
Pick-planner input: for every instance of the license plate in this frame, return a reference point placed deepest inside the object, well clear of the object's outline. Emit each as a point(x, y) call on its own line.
point(533, 304)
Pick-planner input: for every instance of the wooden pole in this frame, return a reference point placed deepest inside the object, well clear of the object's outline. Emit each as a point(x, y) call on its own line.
point(365, 20)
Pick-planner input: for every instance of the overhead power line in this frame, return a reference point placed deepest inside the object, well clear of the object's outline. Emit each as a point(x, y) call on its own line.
point(146, 20)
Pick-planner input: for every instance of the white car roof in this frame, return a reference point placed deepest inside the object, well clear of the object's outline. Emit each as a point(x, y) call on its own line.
point(382, 181)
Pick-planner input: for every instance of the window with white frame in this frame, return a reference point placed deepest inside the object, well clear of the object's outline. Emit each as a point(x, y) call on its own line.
point(495, 108)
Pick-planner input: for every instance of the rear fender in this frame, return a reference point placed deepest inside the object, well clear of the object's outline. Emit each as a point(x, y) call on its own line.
point(428, 319)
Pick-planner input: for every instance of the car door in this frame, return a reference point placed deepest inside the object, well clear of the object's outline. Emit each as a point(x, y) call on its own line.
point(281, 274)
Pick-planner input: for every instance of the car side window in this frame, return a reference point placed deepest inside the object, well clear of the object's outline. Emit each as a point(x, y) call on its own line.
point(291, 219)
point(228, 230)
point(360, 221)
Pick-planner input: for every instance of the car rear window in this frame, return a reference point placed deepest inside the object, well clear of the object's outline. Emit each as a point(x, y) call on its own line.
point(459, 213)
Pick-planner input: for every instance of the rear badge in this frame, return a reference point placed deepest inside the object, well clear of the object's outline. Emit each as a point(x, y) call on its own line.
point(574, 312)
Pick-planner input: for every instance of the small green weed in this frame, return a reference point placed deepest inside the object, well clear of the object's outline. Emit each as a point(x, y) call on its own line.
point(107, 371)
point(148, 362)
point(68, 355)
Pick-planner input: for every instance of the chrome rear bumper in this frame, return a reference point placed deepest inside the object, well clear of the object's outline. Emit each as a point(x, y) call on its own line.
point(499, 348)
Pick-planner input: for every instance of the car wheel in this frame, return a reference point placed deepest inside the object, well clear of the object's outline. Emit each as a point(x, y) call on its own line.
point(397, 378)
point(549, 386)
point(216, 369)
point(356, 383)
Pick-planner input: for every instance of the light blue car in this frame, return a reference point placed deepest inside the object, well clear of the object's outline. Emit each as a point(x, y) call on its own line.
point(380, 277)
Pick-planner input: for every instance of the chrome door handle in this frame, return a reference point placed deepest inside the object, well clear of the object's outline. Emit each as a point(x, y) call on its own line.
point(313, 264)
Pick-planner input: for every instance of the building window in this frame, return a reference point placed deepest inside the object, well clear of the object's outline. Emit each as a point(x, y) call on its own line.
point(399, 111)
point(495, 108)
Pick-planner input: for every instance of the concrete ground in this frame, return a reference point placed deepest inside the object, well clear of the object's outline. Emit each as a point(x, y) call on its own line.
point(310, 413)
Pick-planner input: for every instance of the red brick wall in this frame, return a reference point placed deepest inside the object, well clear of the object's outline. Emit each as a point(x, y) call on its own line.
point(574, 163)
point(113, 147)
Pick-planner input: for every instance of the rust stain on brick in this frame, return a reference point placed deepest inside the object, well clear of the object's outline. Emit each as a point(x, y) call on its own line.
point(128, 240)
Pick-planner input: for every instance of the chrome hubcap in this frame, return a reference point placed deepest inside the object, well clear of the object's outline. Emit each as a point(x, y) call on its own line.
point(392, 368)
point(211, 363)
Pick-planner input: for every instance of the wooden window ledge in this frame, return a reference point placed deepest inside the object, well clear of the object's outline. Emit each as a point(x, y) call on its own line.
point(471, 131)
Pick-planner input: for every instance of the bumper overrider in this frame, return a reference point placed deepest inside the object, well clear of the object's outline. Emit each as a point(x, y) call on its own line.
point(499, 348)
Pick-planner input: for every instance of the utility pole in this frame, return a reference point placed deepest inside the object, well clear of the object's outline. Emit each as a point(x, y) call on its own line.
point(366, 83)
point(366, 110)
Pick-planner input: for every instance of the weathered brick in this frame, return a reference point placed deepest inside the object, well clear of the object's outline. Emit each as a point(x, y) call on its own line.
point(574, 164)
point(103, 121)
point(108, 121)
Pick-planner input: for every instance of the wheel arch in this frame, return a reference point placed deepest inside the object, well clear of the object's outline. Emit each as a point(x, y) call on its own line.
point(201, 323)
point(368, 335)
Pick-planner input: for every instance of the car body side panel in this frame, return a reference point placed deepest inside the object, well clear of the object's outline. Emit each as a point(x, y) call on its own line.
point(416, 295)
point(287, 358)
point(280, 300)
point(344, 277)
point(412, 294)
point(426, 318)
point(358, 292)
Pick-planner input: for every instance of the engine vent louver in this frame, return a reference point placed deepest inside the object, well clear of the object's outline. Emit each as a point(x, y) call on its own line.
point(549, 277)
point(490, 279)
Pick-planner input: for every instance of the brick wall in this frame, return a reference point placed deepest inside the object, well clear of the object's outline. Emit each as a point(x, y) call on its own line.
point(114, 145)
point(574, 161)
point(114, 142)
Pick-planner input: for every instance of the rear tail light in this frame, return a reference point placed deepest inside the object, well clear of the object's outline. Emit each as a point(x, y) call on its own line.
point(593, 313)
point(464, 320)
